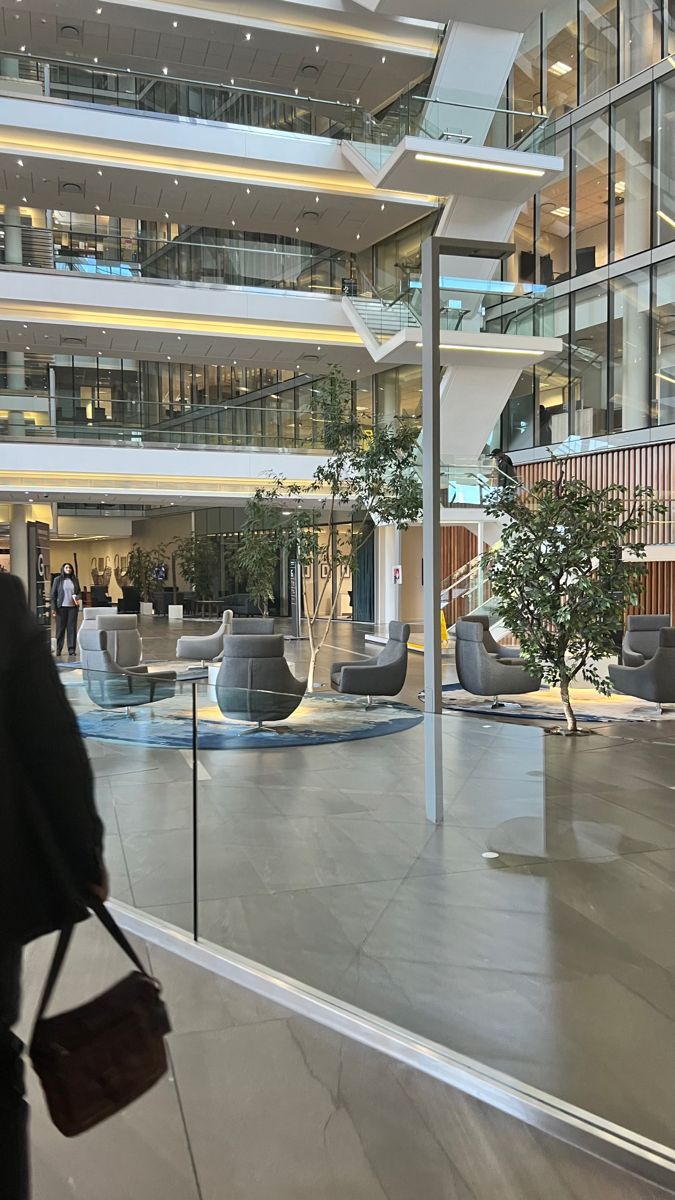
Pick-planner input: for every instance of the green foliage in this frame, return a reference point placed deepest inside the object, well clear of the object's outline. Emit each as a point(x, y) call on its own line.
point(257, 557)
point(197, 558)
point(366, 471)
point(141, 565)
point(559, 576)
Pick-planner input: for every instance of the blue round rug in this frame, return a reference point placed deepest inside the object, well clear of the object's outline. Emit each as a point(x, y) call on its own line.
point(319, 721)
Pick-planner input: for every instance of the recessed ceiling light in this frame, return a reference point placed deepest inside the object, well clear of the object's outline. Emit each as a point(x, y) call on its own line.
point(297, 91)
point(27, 347)
point(317, 48)
point(382, 208)
point(247, 36)
point(297, 229)
point(232, 82)
point(176, 182)
point(24, 199)
point(179, 336)
point(384, 58)
point(358, 99)
point(175, 24)
point(560, 68)
point(248, 191)
point(25, 327)
point(169, 357)
point(561, 211)
point(233, 221)
point(358, 370)
point(103, 331)
point(22, 49)
point(95, 59)
point(20, 161)
point(358, 237)
point(165, 70)
point(99, 11)
point(316, 199)
point(166, 215)
point(97, 207)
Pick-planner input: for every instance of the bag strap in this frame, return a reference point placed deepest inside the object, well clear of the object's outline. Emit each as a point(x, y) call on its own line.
point(105, 917)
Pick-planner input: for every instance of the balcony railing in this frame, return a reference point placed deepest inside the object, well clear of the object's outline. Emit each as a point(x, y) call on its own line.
point(289, 112)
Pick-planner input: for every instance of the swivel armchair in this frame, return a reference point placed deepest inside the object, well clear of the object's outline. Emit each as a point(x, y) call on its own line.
point(124, 643)
point(383, 675)
point(110, 686)
point(653, 679)
point(255, 683)
point(205, 647)
point(641, 639)
point(485, 673)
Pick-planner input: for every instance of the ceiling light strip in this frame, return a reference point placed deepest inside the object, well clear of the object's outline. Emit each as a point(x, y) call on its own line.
point(485, 349)
point(474, 165)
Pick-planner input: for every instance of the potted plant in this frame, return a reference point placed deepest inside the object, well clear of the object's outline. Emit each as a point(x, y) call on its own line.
point(197, 558)
point(143, 566)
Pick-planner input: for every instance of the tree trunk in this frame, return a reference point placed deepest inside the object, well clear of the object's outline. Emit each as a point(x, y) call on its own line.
point(567, 707)
point(312, 667)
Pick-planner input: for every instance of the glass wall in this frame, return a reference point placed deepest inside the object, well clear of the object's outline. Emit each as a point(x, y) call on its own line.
point(664, 230)
point(578, 49)
point(590, 188)
point(629, 351)
point(663, 367)
point(553, 204)
point(631, 174)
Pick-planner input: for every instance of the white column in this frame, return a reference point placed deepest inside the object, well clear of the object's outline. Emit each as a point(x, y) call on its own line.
point(18, 541)
point(387, 556)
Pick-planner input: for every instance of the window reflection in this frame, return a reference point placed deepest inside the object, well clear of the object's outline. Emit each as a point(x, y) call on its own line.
point(631, 175)
point(598, 43)
point(588, 361)
point(560, 65)
point(665, 161)
point(629, 351)
point(663, 381)
point(591, 167)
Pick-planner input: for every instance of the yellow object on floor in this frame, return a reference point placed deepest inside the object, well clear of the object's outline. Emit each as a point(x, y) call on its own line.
point(444, 630)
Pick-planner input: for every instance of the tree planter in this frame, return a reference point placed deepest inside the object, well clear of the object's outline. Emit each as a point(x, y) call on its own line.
point(146, 608)
point(175, 612)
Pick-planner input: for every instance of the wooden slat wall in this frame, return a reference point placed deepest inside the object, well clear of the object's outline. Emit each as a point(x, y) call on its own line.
point(634, 467)
point(659, 592)
point(458, 546)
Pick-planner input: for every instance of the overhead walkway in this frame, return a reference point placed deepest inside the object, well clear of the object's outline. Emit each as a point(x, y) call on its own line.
point(246, 167)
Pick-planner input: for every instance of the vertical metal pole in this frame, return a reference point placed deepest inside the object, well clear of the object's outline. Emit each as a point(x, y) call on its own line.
point(195, 813)
point(431, 530)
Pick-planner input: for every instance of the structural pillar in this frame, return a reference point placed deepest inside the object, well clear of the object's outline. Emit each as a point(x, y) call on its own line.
point(387, 556)
point(18, 541)
point(635, 325)
point(16, 362)
point(431, 529)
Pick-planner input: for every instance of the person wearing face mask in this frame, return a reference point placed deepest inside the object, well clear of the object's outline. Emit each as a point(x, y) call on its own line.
point(66, 599)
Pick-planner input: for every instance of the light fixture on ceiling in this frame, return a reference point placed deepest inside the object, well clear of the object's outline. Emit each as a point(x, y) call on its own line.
point(560, 68)
point(179, 336)
point(358, 100)
point(309, 71)
point(70, 188)
point(169, 357)
point(664, 217)
point(384, 58)
point(22, 49)
point(233, 221)
point(24, 199)
point(97, 207)
point(475, 165)
point(248, 191)
point(620, 187)
point(310, 214)
point(99, 11)
point(95, 58)
point(247, 36)
point(297, 91)
point(165, 70)
point(561, 211)
point(99, 172)
point(317, 48)
point(382, 208)
point(316, 198)
point(297, 229)
point(166, 215)
point(358, 237)
point(175, 24)
point(20, 161)
point(232, 82)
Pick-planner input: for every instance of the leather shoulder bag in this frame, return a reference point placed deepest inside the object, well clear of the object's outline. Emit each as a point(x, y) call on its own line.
point(94, 1060)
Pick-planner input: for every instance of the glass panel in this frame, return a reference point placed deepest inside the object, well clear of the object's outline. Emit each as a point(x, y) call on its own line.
point(629, 351)
point(597, 47)
point(519, 415)
point(591, 164)
point(526, 81)
point(552, 373)
point(640, 35)
point(663, 390)
point(588, 375)
point(560, 42)
point(553, 242)
point(665, 161)
point(631, 179)
point(520, 267)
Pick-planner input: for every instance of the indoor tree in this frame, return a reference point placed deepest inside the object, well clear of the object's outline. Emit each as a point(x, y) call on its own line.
point(197, 558)
point(567, 568)
point(144, 568)
point(257, 559)
point(368, 471)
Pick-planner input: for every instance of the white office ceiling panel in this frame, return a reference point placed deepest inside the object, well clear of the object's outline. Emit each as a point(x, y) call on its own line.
point(146, 43)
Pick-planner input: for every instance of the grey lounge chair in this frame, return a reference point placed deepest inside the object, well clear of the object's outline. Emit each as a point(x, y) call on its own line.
point(485, 673)
point(653, 680)
point(110, 686)
point(206, 647)
point(255, 683)
point(252, 625)
point(124, 643)
point(491, 645)
point(383, 675)
point(641, 639)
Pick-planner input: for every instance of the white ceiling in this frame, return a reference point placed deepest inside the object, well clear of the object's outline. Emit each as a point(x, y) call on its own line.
point(281, 54)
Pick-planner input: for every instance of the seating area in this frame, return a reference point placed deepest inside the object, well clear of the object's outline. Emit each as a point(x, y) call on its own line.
point(485, 668)
point(382, 676)
point(110, 685)
point(209, 647)
point(255, 683)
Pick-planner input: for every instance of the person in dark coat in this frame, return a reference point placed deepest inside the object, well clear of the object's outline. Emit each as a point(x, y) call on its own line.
point(504, 469)
point(66, 600)
point(50, 840)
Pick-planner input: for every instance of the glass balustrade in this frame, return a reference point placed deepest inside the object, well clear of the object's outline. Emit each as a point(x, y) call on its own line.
point(450, 118)
point(186, 258)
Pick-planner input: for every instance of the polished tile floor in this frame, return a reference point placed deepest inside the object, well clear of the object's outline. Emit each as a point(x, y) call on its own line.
point(261, 1103)
point(552, 961)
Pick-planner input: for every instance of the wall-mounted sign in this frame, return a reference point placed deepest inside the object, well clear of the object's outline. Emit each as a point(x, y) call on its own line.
point(397, 574)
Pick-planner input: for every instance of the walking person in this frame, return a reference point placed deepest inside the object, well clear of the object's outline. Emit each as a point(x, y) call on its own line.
point(66, 600)
point(49, 829)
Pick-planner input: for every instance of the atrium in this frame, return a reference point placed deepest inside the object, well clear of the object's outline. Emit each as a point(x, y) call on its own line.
point(337, 428)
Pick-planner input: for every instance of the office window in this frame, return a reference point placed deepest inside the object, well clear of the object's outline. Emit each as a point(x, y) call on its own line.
point(560, 57)
point(553, 242)
point(598, 42)
point(526, 94)
point(591, 165)
point(588, 362)
point(630, 192)
point(663, 368)
point(640, 35)
point(552, 373)
point(521, 265)
point(670, 26)
point(629, 351)
point(664, 225)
